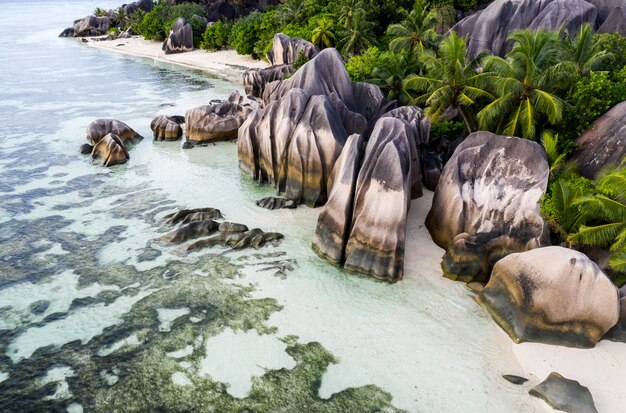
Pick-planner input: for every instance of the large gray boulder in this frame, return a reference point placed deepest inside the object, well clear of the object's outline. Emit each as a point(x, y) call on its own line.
point(363, 224)
point(486, 204)
point(564, 395)
point(285, 50)
point(294, 142)
point(551, 295)
point(99, 128)
point(490, 28)
point(326, 75)
point(145, 5)
point(218, 121)
point(254, 80)
point(180, 39)
point(91, 26)
point(604, 143)
point(615, 22)
point(605, 7)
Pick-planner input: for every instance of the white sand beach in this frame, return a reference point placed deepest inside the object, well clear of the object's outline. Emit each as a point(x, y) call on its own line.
point(224, 64)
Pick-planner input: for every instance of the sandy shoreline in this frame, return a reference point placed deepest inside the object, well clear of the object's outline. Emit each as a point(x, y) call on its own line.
point(224, 64)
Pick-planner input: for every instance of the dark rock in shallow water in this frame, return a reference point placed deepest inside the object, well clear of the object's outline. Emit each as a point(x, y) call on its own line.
point(232, 227)
point(276, 203)
point(551, 295)
point(604, 143)
point(285, 50)
point(101, 127)
point(188, 145)
point(515, 379)
point(167, 128)
point(486, 204)
point(69, 32)
point(149, 254)
point(86, 149)
point(180, 39)
point(190, 231)
point(192, 215)
point(564, 394)
point(111, 150)
point(39, 307)
point(254, 238)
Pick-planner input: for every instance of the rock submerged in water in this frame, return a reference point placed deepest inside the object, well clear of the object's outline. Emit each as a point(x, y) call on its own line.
point(218, 121)
point(486, 204)
point(180, 39)
point(564, 394)
point(167, 128)
point(111, 150)
point(285, 50)
point(187, 216)
point(551, 295)
point(604, 143)
point(102, 127)
point(276, 203)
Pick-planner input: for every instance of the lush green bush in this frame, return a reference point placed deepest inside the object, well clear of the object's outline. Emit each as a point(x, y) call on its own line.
point(245, 33)
point(156, 24)
point(450, 129)
point(360, 67)
point(615, 44)
point(216, 36)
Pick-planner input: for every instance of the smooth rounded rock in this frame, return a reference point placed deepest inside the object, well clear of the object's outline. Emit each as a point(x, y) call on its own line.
point(111, 150)
point(167, 128)
point(102, 127)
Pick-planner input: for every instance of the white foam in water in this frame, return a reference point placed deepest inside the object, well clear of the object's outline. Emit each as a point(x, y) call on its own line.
point(187, 351)
point(167, 316)
point(234, 357)
point(3, 376)
point(130, 341)
point(58, 290)
point(109, 378)
point(75, 408)
point(59, 374)
point(181, 379)
point(82, 324)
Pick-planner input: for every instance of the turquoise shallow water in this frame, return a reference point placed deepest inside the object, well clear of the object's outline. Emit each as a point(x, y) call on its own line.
point(95, 315)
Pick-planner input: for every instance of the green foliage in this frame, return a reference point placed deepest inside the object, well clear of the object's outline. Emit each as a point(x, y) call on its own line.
point(120, 18)
point(415, 32)
point(156, 24)
point(360, 67)
point(323, 35)
point(300, 61)
point(216, 36)
point(560, 208)
point(100, 12)
point(390, 73)
point(556, 159)
point(615, 44)
point(358, 35)
point(450, 129)
point(245, 33)
point(586, 51)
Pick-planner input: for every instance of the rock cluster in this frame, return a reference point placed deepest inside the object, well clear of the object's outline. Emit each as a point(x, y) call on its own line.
point(107, 140)
point(486, 204)
point(489, 28)
point(89, 26)
point(180, 39)
point(254, 80)
point(145, 5)
point(285, 50)
point(604, 143)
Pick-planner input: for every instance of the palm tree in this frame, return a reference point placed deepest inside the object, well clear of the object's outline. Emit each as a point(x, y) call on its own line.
point(605, 212)
point(323, 35)
point(292, 11)
point(390, 75)
point(557, 160)
point(449, 82)
point(100, 12)
point(121, 18)
point(358, 36)
point(417, 30)
point(347, 10)
point(586, 52)
point(526, 84)
point(565, 214)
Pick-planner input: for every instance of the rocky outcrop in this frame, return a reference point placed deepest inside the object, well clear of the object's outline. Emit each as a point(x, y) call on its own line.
point(605, 7)
point(99, 128)
point(167, 128)
point(326, 75)
point(615, 22)
point(285, 50)
point(180, 39)
point(564, 395)
point(434, 157)
point(489, 29)
point(486, 204)
point(363, 224)
point(218, 121)
point(91, 26)
point(254, 80)
point(145, 5)
point(272, 203)
point(604, 143)
point(551, 295)
point(111, 150)
point(186, 216)
point(69, 32)
point(618, 333)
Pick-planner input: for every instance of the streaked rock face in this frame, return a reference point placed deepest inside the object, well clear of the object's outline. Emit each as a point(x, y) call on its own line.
point(167, 128)
point(551, 295)
point(254, 80)
point(564, 395)
point(99, 128)
point(111, 150)
point(285, 50)
point(615, 22)
point(92, 26)
point(490, 28)
point(604, 143)
point(180, 39)
point(145, 5)
point(486, 204)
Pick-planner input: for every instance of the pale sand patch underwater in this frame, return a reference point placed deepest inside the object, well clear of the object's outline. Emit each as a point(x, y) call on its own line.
point(223, 64)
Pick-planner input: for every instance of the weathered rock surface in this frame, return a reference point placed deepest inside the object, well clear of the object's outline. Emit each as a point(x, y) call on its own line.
point(276, 203)
point(433, 159)
point(618, 333)
point(218, 121)
point(180, 39)
point(187, 216)
point(486, 204)
point(335, 220)
point(517, 380)
point(285, 50)
point(254, 80)
point(490, 28)
point(167, 128)
point(99, 128)
point(91, 26)
point(111, 150)
point(191, 230)
point(551, 295)
point(605, 7)
point(564, 394)
point(68, 32)
point(145, 5)
point(604, 143)
point(254, 238)
point(615, 22)
point(294, 142)
point(86, 149)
